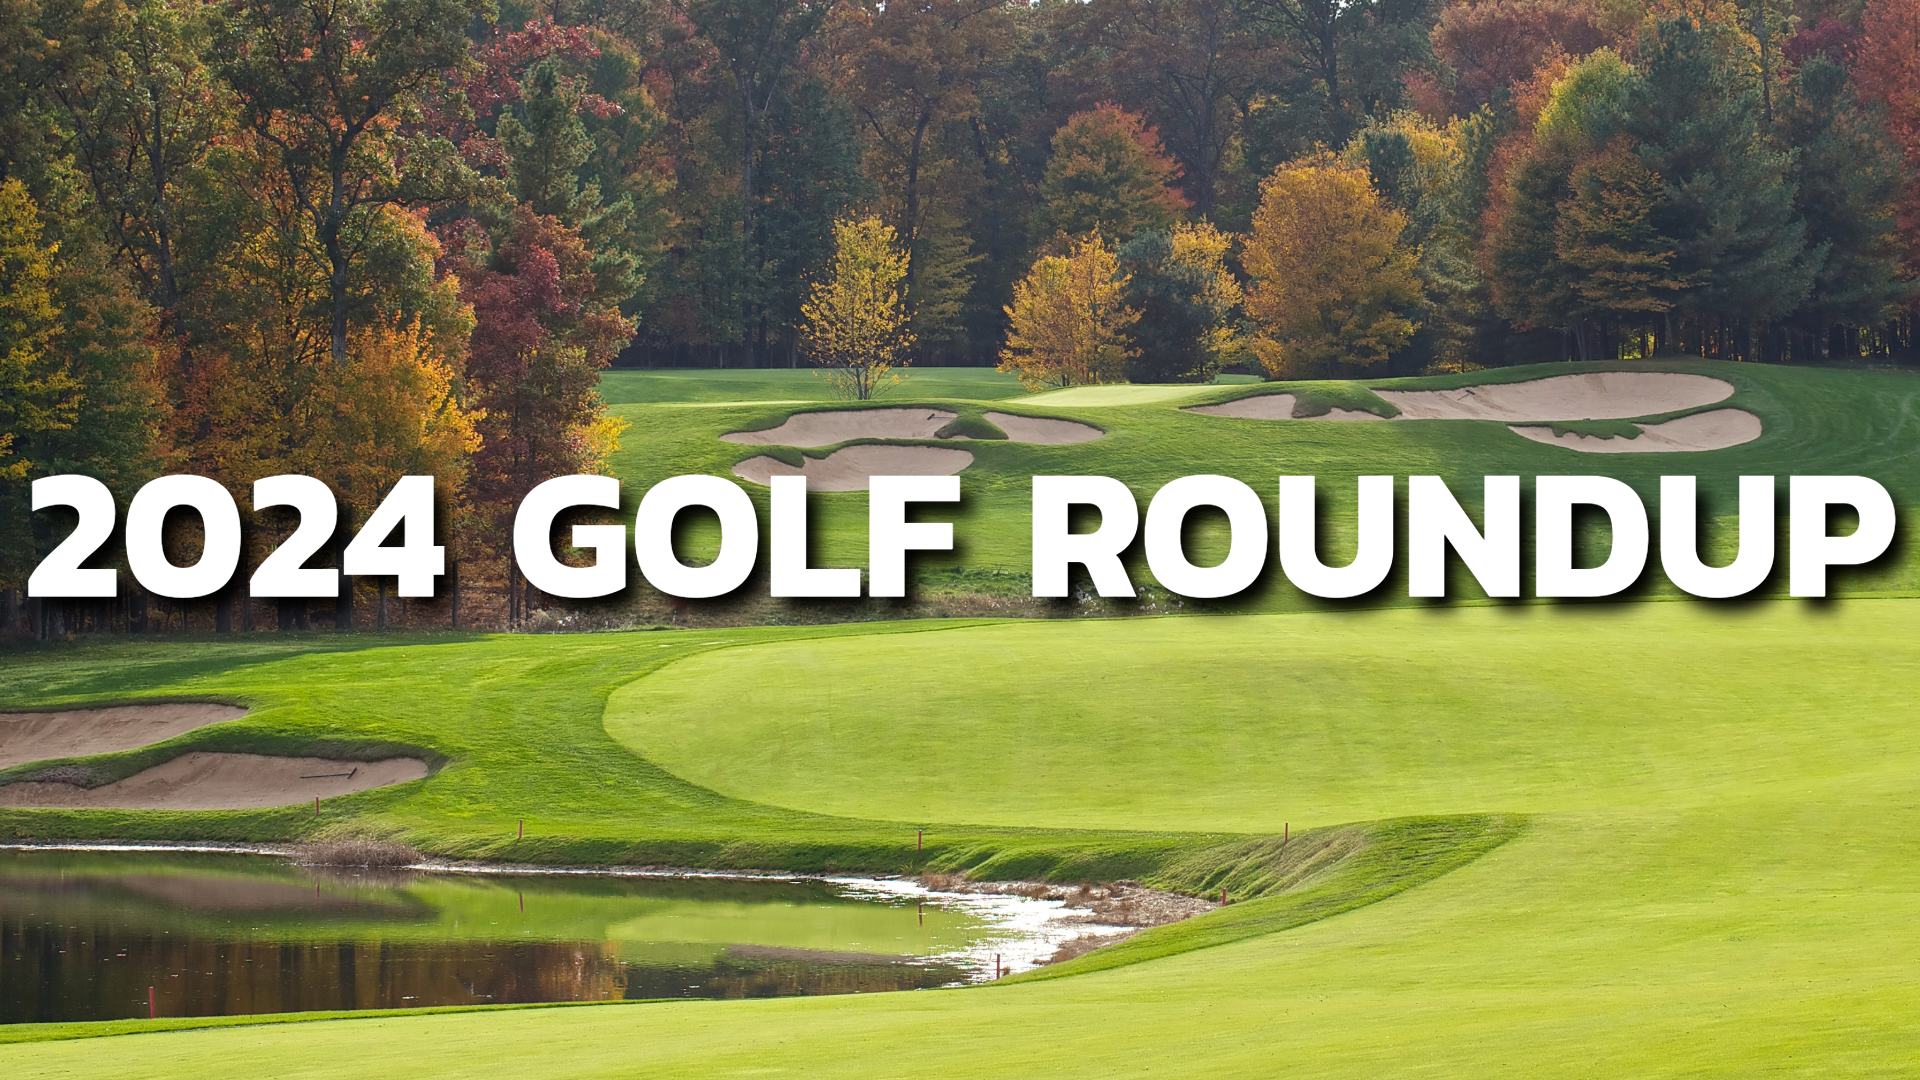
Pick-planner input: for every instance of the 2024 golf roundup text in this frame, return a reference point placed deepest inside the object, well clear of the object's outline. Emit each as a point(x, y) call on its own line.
point(1435, 521)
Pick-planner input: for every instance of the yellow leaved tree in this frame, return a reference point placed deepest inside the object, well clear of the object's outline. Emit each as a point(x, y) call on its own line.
point(856, 320)
point(1069, 320)
point(1332, 281)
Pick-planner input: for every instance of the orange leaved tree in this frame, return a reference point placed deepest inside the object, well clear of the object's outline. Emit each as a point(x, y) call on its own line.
point(1332, 282)
point(1069, 320)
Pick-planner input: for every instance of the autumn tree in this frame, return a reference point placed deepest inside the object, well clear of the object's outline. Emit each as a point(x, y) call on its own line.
point(1189, 304)
point(912, 72)
point(1491, 45)
point(1888, 71)
point(37, 392)
point(856, 318)
point(1575, 238)
point(79, 389)
point(328, 85)
point(1106, 173)
point(1069, 320)
point(144, 112)
point(1190, 65)
point(1427, 172)
point(1333, 284)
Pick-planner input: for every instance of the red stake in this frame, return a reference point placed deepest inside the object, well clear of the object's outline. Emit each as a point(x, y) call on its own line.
point(316, 806)
point(523, 902)
point(1286, 831)
point(996, 965)
point(919, 839)
point(150, 1003)
point(1223, 898)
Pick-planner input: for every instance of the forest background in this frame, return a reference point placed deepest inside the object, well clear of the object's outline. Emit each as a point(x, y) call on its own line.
point(361, 239)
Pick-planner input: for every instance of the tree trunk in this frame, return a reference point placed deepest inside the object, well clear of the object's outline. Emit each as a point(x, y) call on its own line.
point(380, 616)
point(910, 235)
point(343, 605)
point(453, 594)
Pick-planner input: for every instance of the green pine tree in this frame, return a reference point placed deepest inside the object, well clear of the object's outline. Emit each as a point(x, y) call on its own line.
point(1728, 203)
point(1847, 176)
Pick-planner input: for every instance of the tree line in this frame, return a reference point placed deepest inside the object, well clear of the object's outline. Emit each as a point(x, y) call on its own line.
point(361, 239)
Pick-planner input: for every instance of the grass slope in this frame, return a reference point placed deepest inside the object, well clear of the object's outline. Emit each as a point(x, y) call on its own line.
point(1720, 876)
point(1816, 422)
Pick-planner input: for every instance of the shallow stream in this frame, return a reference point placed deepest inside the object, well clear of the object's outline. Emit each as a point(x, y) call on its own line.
point(85, 934)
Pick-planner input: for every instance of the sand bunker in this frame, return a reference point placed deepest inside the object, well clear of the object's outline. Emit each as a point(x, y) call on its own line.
point(849, 469)
point(203, 781)
point(1257, 407)
point(40, 736)
point(1041, 431)
point(1606, 395)
point(1715, 430)
point(1277, 407)
point(831, 428)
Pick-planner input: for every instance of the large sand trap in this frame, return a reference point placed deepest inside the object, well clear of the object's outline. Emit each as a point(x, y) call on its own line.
point(1714, 430)
point(845, 425)
point(1257, 407)
point(203, 781)
point(849, 469)
point(39, 736)
point(1276, 407)
point(1606, 395)
point(1041, 431)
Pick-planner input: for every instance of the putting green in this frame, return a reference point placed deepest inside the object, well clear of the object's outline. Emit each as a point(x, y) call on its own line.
point(1245, 723)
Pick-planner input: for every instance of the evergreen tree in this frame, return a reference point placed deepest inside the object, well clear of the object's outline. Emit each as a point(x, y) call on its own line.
point(1728, 194)
point(1188, 302)
point(1847, 180)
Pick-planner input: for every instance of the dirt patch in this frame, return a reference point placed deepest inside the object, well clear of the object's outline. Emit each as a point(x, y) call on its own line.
point(42, 736)
point(850, 469)
point(208, 781)
point(1107, 903)
point(1605, 395)
point(1042, 431)
point(355, 851)
point(845, 425)
point(1715, 430)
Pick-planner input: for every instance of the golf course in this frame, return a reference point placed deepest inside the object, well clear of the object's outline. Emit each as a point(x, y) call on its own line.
point(1651, 837)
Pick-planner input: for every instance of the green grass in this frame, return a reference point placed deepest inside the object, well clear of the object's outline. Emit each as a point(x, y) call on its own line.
point(1815, 420)
point(1647, 840)
point(1718, 873)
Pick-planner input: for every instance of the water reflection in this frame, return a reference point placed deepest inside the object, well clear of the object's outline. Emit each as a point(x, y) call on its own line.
point(83, 935)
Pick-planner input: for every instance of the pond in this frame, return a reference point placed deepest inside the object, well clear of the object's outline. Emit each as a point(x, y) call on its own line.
point(84, 935)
